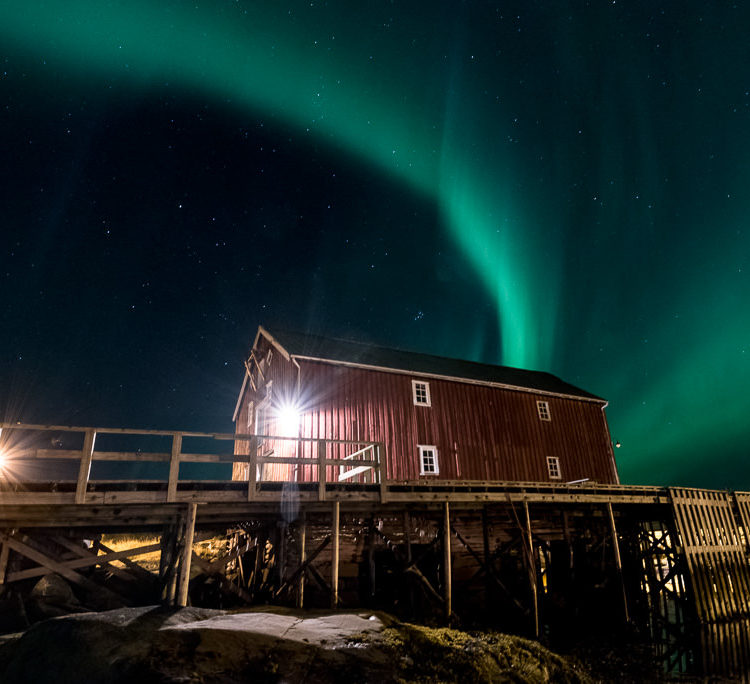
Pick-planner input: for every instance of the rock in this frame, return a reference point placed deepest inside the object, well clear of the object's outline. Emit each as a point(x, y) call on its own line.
point(193, 645)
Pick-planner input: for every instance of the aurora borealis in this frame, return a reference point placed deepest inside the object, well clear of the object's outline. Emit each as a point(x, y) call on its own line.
point(554, 187)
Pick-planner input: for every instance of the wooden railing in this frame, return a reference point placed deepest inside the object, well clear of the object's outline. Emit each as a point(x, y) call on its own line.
point(328, 459)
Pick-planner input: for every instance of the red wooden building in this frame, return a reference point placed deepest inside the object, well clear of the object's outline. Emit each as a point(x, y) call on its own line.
point(436, 418)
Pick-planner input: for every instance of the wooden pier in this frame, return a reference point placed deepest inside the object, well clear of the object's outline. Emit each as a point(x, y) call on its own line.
point(548, 560)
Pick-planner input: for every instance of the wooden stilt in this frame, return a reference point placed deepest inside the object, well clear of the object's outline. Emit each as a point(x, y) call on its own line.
point(447, 571)
point(335, 557)
point(407, 535)
point(618, 560)
point(4, 553)
point(187, 554)
point(84, 470)
point(532, 570)
point(302, 559)
point(489, 585)
point(371, 558)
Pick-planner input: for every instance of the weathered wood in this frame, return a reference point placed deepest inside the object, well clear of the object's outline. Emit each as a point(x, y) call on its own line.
point(174, 467)
point(303, 567)
point(321, 470)
point(252, 474)
point(447, 565)
point(532, 570)
point(618, 561)
point(302, 560)
point(86, 559)
point(335, 555)
point(84, 470)
point(187, 553)
point(4, 553)
point(55, 566)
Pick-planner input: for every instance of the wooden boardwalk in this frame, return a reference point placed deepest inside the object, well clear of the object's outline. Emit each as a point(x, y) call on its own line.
point(673, 561)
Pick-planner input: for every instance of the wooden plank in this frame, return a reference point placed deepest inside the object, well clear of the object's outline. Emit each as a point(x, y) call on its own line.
point(84, 470)
point(183, 583)
point(174, 467)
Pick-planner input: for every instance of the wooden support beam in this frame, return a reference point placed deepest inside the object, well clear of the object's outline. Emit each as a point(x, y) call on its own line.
point(618, 561)
point(447, 569)
point(86, 558)
point(380, 451)
point(55, 566)
point(304, 566)
point(302, 560)
point(252, 473)
point(174, 467)
point(187, 555)
point(532, 570)
point(335, 556)
point(321, 470)
point(84, 469)
point(4, 553)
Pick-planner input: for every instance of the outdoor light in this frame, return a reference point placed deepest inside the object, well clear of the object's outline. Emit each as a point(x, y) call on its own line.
point(288, 415)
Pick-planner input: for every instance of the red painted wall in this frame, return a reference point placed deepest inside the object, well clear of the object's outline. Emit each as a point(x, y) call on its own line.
point(481, 433)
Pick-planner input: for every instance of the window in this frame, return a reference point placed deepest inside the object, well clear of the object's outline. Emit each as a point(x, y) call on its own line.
point(542, 408)
point(428, 462)
point(553, 467)
point(421, 392)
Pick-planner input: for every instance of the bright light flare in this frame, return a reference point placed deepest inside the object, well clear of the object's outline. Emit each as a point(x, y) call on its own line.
point(289, 416)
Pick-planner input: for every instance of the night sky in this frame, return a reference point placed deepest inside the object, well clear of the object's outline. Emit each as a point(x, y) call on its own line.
point(556, 186)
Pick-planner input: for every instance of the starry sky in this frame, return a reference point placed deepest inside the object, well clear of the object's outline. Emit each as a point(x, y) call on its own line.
point(555, 186)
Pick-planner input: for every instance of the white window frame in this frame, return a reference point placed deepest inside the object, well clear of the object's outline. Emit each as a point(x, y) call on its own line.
point(423, 449)
point(426, 385)
point(542, 408)
point(553, 468)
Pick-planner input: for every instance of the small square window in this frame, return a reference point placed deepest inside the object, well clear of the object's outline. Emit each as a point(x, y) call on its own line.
point(542, 408)
point(428, 460)
point(553, 467)
point(421, 392)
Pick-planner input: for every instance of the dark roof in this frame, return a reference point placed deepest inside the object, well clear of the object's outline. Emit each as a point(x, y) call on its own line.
point(347, 351)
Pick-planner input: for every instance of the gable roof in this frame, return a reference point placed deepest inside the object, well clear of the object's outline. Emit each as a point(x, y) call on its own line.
point(346, 352)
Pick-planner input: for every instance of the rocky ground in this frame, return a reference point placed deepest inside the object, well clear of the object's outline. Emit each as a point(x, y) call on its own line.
point(202, 646)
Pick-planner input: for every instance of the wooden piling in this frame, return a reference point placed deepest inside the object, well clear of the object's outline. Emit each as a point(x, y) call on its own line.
point(187, 554)
point(618, 561)
point(447, 571)
point(335, 557)
point(302, 559)
point(532, 570)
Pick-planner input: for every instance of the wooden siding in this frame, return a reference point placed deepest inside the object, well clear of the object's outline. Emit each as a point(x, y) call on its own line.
point(481, 432)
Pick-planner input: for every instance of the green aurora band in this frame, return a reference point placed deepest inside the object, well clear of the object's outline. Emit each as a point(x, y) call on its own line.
point(423, 119)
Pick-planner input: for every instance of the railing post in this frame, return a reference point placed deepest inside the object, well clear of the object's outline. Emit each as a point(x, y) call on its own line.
point(84, 470)
point(187, 555)
point(252, 473)
point(321, 470)
point(174, 467)
point(381, 472)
